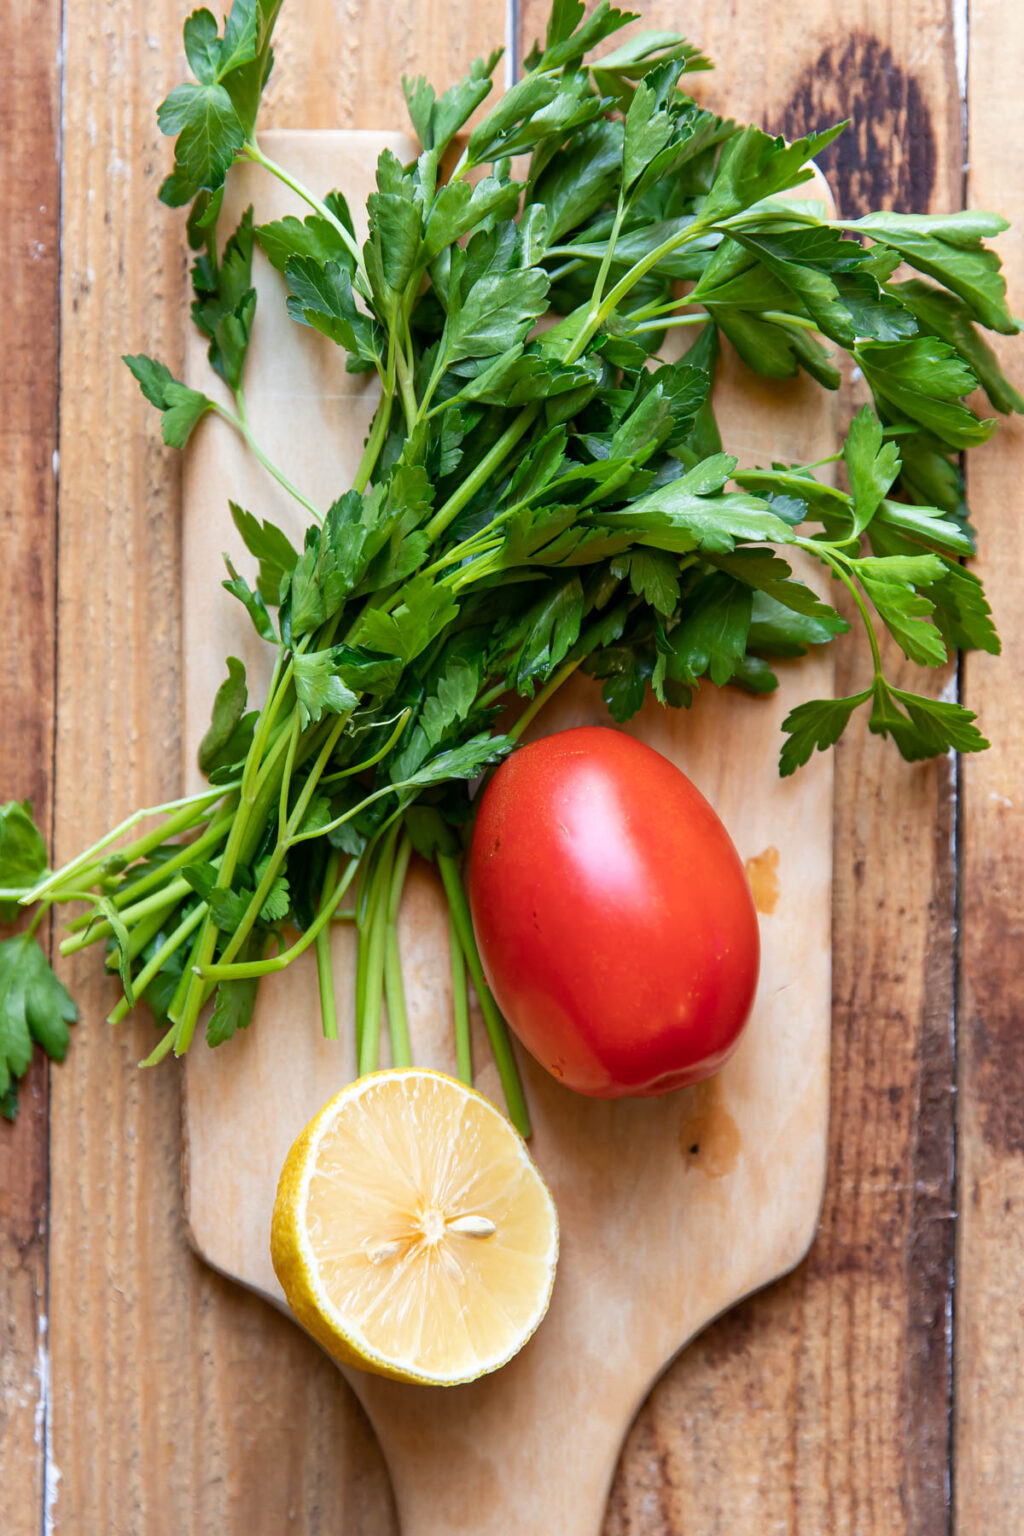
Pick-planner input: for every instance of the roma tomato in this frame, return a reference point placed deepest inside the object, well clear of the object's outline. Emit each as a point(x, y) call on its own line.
point(614, 919)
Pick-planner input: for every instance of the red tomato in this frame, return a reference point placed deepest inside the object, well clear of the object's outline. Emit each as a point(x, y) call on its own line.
point(615, 923)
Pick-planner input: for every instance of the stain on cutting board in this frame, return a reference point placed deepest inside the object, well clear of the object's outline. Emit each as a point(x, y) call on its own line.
point(763, 876)
point(709, 1138)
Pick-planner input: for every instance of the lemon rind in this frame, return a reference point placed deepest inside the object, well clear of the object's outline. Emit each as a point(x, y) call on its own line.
point(296, 1268)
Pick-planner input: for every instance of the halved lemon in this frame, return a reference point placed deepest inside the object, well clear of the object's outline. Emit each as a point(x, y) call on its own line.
point(412, 1233)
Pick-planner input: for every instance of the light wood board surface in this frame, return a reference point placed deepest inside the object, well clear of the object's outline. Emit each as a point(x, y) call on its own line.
point(140, 1393)
point(670, 1209)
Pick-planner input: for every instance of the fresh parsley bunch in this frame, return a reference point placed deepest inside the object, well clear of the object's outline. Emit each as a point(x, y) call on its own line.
point(532, 502)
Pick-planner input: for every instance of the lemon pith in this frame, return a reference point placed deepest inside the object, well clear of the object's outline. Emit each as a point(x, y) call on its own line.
point(412, 1233)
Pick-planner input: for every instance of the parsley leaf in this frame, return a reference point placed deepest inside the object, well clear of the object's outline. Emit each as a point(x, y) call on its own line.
point(426, 610)
point(182, 408)
point(676, 518)
point(251, 601)
point(890, 583)
point(871, 464)
point(209, 134)
point(272, 548)
point(322, 297)
point(22, 855)
point(712, 635)
point(230, 730)
point(815, 726)
point(437, 119)
point(924, 727)
point(314, 236)
point(962, 265)
point(496, 314)
point(946, 316)
point(318, 687)
point(753, 166)
point(34, 1006)
point(923, 379)
point(225, 302)
point(233, 1008)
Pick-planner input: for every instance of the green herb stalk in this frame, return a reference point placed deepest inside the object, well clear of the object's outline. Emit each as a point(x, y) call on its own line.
point(530, 501)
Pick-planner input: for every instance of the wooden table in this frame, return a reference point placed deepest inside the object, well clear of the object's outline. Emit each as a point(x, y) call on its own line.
point(877, 1390)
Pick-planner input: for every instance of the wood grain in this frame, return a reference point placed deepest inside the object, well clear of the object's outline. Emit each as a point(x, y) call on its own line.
point(819, 1406)
point(29, 276)
point(823, 1405)
point(989, 1430)
point(178, 1403)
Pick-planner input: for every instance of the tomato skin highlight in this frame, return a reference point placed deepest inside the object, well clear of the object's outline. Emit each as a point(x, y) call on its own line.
point(614, 919)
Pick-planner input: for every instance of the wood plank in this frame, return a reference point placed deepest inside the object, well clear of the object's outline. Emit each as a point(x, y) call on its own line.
point(178, 1402)
point(822, 1404)
point(29, 279)
point(989, 1426)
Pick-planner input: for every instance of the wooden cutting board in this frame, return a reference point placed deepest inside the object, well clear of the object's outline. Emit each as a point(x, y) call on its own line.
point(671, 1209)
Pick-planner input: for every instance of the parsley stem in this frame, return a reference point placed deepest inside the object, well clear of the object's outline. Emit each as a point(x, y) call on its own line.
point(387, 789)
point(497, 1029)
point(648, 311)
point(266, 720)
point(241, 426)
point(206, 942)
point(668, 322)
point(167, 948)
point(405, 387)
point(176, 823)
point(375, 442)
point(281, 962)
point(294, 820)
point(492, 695)
point(831, 458)
point(252, 151)
point(187, 854)
point(475, 545)
point(364, 890)
point(266, 792)
point(483, 471)
point(609, 251)
point(436, 375)
point(376, 918)
point(836, 562)
point(159, 901)
point(370, 762)
point(294, 732)
point(184, 980)
point(565, 270)
point(161, 1049)
point(313, 778)
point(398, 1021)
point(783, 317)
point(145, 929)
point(627, 282)
point(537, 704)
point(324, 958)
point(460, 1006)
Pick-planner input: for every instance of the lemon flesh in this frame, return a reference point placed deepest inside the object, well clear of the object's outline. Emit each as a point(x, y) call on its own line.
point(412, 1233)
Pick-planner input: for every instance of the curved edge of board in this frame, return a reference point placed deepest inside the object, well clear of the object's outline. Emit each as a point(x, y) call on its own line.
point(745, 1194)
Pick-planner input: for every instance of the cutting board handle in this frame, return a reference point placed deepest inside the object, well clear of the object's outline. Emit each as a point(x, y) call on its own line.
point(662, 1203)
point(511, 1479)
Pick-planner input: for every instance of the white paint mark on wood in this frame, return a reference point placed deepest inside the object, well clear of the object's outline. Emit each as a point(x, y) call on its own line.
point(961, 38)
